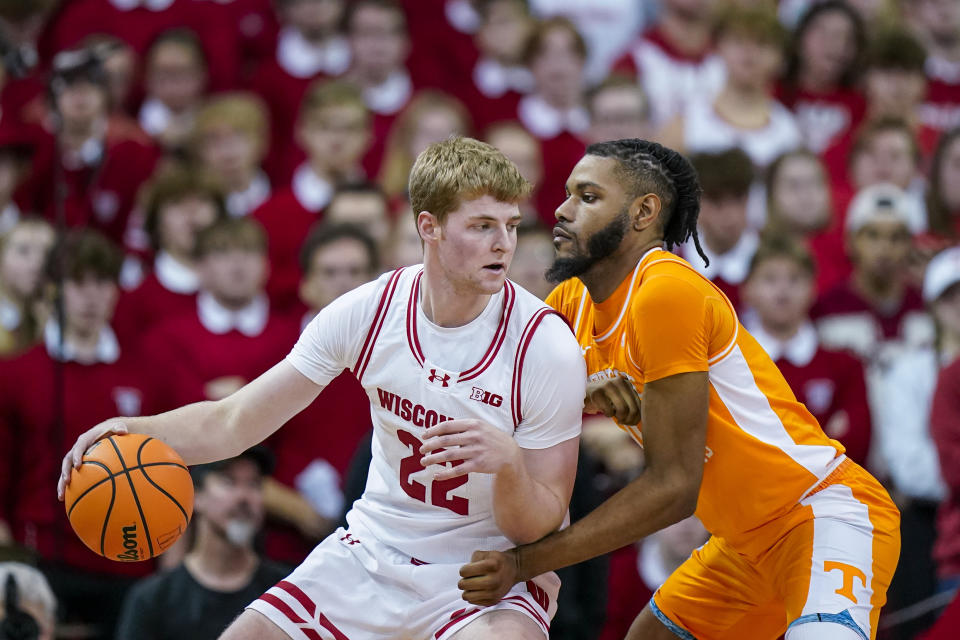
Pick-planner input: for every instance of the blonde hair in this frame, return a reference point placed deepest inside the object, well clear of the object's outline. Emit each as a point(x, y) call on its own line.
point(238, 110)
point(397, 157)
point(450, 172)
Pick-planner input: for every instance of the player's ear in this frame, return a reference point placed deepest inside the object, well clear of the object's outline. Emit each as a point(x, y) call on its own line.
point(429, 226)
point(645, 210)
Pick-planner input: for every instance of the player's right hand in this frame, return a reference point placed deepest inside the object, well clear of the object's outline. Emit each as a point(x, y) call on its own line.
point(614, 398)
point(74, 457)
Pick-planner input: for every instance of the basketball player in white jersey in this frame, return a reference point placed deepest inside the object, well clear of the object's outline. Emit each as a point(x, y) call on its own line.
point(476, 390)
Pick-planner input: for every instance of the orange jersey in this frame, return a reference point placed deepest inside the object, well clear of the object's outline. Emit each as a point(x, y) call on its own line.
point(764, 450)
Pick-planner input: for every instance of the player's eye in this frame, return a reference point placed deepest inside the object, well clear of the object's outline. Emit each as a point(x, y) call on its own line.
point(588, 198)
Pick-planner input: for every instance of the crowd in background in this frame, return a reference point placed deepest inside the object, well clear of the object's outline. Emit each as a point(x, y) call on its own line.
point(185, 183)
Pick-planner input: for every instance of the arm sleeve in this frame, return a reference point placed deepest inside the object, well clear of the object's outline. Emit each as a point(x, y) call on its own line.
point(553, 383)
point(334, 338)
point(669, 324)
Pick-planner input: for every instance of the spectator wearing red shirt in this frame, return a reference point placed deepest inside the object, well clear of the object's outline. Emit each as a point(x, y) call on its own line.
point(800, 206)
point(675, 61)
point(432, 116)
point(22, 80)
point(938, 25)
point(23, 254)
point(100, 178)
point(894, 85)
point(820, 84)
point(230, 336)
point(178, 204)
point(334, 129)
point(725, 238)
point(555, 112)
point(493, 86)
point(230, 141)
point(175, 78)
point(336, 258)
point(379, 46)
point(779, 293)
point(309, 47)
point(77, 377)
point(875, 311)
point(16, 148)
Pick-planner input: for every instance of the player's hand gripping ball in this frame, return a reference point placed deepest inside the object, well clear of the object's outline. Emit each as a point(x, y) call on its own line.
point(131, 498)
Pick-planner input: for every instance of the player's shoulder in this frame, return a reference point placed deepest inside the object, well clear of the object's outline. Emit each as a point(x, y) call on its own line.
point(566, 295)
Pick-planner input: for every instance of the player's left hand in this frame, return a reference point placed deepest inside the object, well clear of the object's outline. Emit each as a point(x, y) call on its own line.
point(480, 446)
point(488, 576)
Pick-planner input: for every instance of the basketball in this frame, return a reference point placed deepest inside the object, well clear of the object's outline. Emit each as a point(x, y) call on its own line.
point(131, 498)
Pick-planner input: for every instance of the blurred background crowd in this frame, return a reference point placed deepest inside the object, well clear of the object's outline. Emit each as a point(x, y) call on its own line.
point(185, 183)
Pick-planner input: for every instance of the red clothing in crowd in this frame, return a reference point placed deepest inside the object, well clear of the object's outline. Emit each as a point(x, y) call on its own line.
point(441, 42)
point(824, 118)
point(945, 429)
point(627, 593)
point(844, 303)
point(100, 189)
point(92, 393)
point(329, 429)
point(941, 106)
point(195, 350)
point(287, 218)
point(141, 24)
point(152, 302)
point(830, 383)
point(947, 624)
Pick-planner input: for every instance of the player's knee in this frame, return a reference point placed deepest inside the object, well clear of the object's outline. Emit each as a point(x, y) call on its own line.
point(506, 624)
point(815, 629)
point(252, 625)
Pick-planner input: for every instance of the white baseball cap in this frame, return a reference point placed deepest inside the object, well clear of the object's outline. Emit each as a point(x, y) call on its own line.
point(880, 202)
point(943, 271)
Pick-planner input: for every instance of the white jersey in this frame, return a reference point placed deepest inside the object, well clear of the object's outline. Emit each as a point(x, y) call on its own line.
point(516, 366)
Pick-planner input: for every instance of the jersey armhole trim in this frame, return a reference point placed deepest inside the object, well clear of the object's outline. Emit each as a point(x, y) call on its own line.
point(525, 339)
point(370, 342)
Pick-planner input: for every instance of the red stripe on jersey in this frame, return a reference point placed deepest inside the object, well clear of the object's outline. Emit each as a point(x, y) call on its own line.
point(282, 607)
point(301, 597)
point(374, 331)
point(521, 602)
point(326, 624)
point(539, 595)
point(312, 634)
point(456, 620)
point(509, 295)
point(413, 340)
point(525, 339)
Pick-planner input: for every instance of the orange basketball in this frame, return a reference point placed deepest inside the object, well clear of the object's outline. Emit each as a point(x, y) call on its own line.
point(131, 498)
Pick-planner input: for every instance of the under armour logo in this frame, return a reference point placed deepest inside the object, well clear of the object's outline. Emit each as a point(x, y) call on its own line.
point(438, 378)
point(349, 539)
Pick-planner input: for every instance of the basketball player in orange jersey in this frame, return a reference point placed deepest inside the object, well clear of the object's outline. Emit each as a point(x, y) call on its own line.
point(804, 540)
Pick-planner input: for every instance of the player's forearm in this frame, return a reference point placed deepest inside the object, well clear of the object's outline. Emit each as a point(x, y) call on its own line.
point(525, 509)
point(199, 432)
point(644, 506)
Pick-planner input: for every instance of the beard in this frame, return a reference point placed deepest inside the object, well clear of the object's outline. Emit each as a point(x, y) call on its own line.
point(600, 245)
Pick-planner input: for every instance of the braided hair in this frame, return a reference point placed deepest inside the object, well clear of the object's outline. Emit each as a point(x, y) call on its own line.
point(649, 167)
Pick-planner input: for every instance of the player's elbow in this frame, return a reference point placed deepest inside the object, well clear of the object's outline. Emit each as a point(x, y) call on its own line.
point(524, 530)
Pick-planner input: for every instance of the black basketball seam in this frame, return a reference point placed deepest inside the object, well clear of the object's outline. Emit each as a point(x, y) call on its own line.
point(136, 498)
point(95, 463)
point(158, 487)
point(106, 518)
point(111, 475)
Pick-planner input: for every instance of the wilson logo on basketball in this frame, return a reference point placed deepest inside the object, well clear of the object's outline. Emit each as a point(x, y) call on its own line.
point(130, 544)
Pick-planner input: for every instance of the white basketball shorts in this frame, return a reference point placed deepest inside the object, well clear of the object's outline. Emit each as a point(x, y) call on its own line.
point(352, 587)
